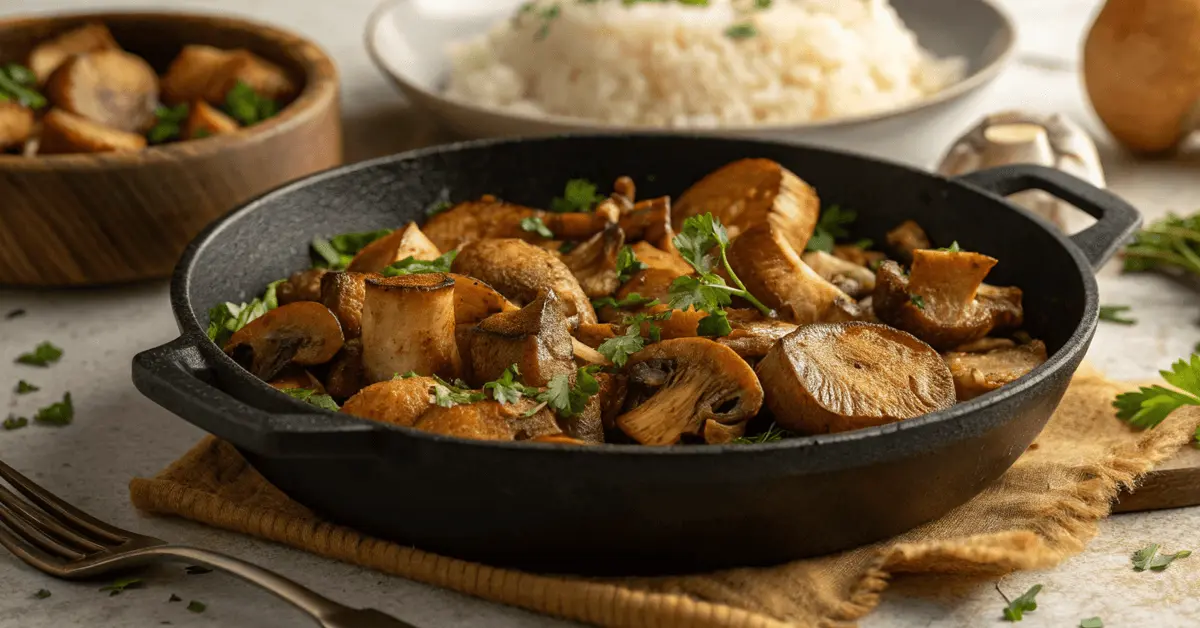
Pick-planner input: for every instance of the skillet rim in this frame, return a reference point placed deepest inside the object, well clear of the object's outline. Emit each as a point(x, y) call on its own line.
point(192, 332)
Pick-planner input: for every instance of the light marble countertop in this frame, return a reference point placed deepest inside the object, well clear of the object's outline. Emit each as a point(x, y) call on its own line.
point(118, 434)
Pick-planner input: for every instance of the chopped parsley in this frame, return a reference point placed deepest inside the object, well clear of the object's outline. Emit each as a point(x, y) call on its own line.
point(44, 354)
point(1116, 314)
point(226, 318)
point(168, 123)
point(508, 388)
point(618, 348)
point(1147, 407)
point(244, 104)
point(42, 594)
point(14, 422)
point(57, 413)
point(567, 400)
point(336, 252)
point(632, 299)
point(196, 607)
point(1021, 605)
point(24, 387)
point(413, 266)
point(579, 195)
point(121, 584)
point(707, 292)
point(1149, 558)
point(534, 224)
point(19, 84)
point(917, 300)
point(448, 395)
point(628, 263)
point(312, 398)
point(831, 226)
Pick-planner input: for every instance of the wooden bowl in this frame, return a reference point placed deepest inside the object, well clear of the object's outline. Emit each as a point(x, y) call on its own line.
point(118, 217)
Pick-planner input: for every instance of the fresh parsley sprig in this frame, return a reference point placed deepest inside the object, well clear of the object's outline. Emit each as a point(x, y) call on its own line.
point(1150, 405)
point(1171, 244)
point(1149, 558)
point(413, 266)
point(534, 224)
point(707, 291)
point(1025, 603)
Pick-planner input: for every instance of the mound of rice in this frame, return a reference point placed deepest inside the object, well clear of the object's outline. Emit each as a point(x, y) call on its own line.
point(671, 64)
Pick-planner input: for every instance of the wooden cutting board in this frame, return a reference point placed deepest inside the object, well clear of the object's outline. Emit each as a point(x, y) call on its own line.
point(1174, 484)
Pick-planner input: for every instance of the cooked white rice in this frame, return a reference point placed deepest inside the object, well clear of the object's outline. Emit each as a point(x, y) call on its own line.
point(668, 64)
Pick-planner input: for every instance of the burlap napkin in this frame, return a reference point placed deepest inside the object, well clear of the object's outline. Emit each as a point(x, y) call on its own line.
point(1042, 510)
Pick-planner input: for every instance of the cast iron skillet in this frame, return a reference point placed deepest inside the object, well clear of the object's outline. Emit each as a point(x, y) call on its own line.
point(631, 508)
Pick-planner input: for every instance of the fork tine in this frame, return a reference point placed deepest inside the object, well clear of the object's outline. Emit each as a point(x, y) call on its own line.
point(31, 555)
point(47, 523)
point(27, 528)
point(63, 510)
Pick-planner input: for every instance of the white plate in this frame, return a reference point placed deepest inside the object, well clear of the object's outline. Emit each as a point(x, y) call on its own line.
point(408, 40)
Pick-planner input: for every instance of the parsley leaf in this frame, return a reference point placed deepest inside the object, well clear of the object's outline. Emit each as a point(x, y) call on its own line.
point(42, 594)
point(773, 434)
point(632, 299)
point(44, 354)
point(618, 348)
point(196, 607)
point(413, 266)
point(1092, 622)
point(226, 318)
point(168, 123)
point(118, 586)
point(534, 224)
point(24, 387)
point(336, 252)
point(567, 400)
point(14, 422)
point(244, 104)
point(1149, 558)
point(19, 84)
point(508, 389)
point(1023, 604)
point(1116, 314)
point(57, 413)
point(310, 397)
point(917, 300)
point(448, 395)
point(1147, 407)
point(579, 195)
point(831, 226)
point(628, 264)
point(953, 248)
point(702, 243)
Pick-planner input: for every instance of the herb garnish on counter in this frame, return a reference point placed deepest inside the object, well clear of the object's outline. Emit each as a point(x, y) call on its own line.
point(1116, 314)
point(1021, 605)
point(14, 422)
point(1092, 622)
point(44, 354)
point(57, 413)
point(24, 387)
point(121, 584)
point(196, 606)
point(708, 292)
point(1171, 244)
point(42, 594)
point(1147, 407)
point(1149, 558)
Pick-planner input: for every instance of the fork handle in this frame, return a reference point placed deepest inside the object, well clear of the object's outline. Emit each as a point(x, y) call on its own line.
point(329, 614)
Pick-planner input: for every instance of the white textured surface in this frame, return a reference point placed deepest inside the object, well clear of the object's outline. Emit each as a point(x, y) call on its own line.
point(118, 434)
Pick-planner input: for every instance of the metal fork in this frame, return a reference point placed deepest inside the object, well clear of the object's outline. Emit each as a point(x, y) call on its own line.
point(65, 542)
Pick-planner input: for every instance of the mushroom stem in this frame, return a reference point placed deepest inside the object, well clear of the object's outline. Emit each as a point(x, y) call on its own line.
point(408, 325)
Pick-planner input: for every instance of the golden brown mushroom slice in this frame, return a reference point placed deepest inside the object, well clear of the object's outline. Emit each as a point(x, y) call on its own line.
point(188, 76)
point(943, 300)
point(774, 273)
point(48, 55)
point(204, 120)
point(111, 87)
point(490, 217)
point(346, 374)
point(521, 271)
point(474, 300)
point(343, 293)
point(752, 340)
point(303, 285)
point(400, 244)
point(64, 132)
point(853, 279)
point(846, 376)
point(907, 237)
point(490, 420)
point(594, 263)
point(242, 66)
point(303, 333)
point(976, 373)
point(533, 338)
point(400, 401)
point(752, 192)
point(650, 221)
point(408, 325)
point(16, 124)
point(688, 387)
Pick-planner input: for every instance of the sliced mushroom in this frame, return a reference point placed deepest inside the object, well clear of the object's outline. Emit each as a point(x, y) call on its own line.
point(594, 263)
point(976, 373)
point(400, 244)
point(753, 192)
point(48, 55)
point(346, 374)
point(490, 218)
point(474, 300)
point(112, 87)
point(650, 221)
point(846, 376)
point(534, 338)
point(304, 333)
point(521, 271)
point(294, 377)
point(853, 279)
point(204, 120)
point(64, 132)
point(775, 274)
point(753, 339)
point(242, 66)
point(943, 301)
point(907, 237)
point(589, 425)
point(682, 387)
point(400, 401)
point(408, 325)
point(16, 124)
point(343, 293)
point(660, 259)
point(188, 75)
point(304, 285)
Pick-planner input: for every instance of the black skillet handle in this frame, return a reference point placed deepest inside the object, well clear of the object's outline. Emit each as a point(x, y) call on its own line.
point(179, 378)
point(1116, 220)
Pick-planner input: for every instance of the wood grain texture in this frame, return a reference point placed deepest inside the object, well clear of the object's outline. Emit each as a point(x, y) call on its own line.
point(1175, 484)
point(121, 217)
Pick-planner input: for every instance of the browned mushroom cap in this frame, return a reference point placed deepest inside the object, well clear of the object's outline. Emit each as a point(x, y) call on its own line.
point(346, 373)
point(343, 293)
point(293, 377)
point(907, 237)
point(400, 244)
point(753, 192)
point(650, 220)
point(111, 87)
point(594, 263)
point(408, 325)
point(304, 285)
point(853, 279)
point(16, 124)
point(534, 338)
point(489, 218)
point(680, 387)
point(521, 271)
point(659, 259)
point(64, 132)
point(396, 401)
point(48, 55)
point(304, 333)
point(774, 272)
point(188, 75)
point(943, 300)
point(980, 372)
point(204, 120)
point(474, 300)
point(846, 376)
